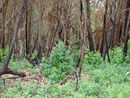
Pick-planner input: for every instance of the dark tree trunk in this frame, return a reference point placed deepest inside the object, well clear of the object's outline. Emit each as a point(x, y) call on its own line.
point(126, 28)
point(4, 69)
point(90, 39)
point(28, 27)
point(82, 47)
point(105, 48)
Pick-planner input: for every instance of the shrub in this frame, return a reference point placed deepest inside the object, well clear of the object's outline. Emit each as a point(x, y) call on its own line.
point(92, 61)
point(108, 79)
point(60, 62)
point(116, 55)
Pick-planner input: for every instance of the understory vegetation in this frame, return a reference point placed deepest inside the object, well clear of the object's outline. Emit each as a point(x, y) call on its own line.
point(103, 80)
point(64, 48)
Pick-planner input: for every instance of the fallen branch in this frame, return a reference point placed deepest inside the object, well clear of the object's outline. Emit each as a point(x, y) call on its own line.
point(9, 71)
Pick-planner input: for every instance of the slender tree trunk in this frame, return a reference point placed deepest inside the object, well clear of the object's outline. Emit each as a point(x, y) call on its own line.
point(26, 28)
point(104, 49)
point(126, 27)
point(82, 46)
point(88, 24)
point(4, 9)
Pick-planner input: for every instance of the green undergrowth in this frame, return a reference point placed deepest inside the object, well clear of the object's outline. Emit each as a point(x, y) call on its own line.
point(60, 62)
point(20, 64)
point(112, 79)
point(3, 53)
point(106, 80)
point(87, 89)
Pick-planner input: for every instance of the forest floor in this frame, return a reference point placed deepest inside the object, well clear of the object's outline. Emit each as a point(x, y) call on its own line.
point(11, 86)
point(37, 77)
point(99, 79)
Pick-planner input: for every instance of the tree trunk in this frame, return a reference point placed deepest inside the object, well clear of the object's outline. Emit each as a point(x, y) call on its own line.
point(4, 69)
point(126, 27)
point(4, 9)
point(104, 49)
point(88, 24)
point(82, 46)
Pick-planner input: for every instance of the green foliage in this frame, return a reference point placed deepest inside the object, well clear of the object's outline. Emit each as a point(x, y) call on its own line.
point(110, 79)
point(119, 91)
point(17, 65)
point(110, 74)
point(87, 89)
point(3, 53)
point(12, 91)
point(2, 85)
point(60, 62)
point(106, 80)
point(54, 74)
point(93, 60)
point(116, 55)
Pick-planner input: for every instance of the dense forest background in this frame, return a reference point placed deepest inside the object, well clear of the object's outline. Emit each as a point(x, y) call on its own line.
point(55, 46)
